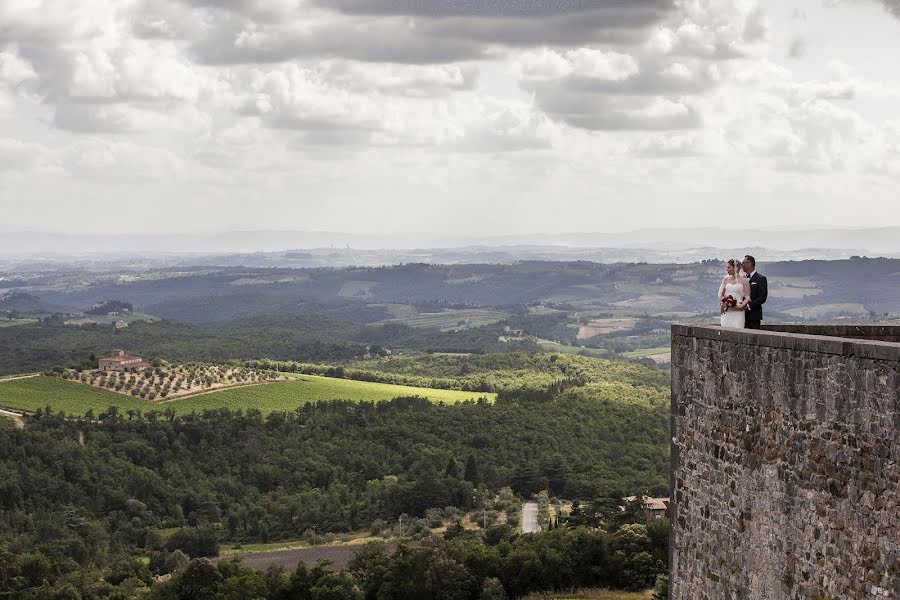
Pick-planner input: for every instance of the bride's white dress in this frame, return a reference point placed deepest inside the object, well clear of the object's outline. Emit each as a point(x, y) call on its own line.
point(734, 318)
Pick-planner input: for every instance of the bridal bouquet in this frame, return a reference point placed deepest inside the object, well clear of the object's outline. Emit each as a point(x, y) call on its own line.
point(728, 302)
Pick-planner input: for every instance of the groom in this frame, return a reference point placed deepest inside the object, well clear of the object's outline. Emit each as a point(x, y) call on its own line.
point(759, 291)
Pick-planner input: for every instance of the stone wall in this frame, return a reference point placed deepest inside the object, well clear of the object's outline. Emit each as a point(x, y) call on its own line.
point(785, 463)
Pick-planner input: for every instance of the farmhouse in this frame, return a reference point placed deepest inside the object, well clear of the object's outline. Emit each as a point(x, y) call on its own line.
point(119, 361)
point(654, 508)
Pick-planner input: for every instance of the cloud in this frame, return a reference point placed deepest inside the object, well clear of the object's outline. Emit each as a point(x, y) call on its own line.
point(681, 145)
point(14, 70)
point(122, 162)
point(797, 48)
point(586, 63)
point(468, 124)
point(331, 107)
point(294, 97)
point(414, 32)
point(385, 40)
point(14, 73)
point(101, 118)
point(16, 155)
point(892, 6)
point(521, 23)
point(419, 81)
point(652, 86)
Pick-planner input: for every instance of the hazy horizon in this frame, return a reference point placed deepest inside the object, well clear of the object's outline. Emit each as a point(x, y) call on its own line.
point(344, 248)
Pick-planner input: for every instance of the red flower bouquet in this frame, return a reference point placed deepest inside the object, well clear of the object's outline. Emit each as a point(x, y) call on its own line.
point(727, 302)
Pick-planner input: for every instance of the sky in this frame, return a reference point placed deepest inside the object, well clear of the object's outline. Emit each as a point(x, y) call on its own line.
point(472, 117)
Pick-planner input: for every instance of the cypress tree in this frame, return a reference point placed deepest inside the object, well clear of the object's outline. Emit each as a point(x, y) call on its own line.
point(471, 472)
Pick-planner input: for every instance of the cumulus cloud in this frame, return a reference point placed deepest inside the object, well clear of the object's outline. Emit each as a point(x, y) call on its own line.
point(387, 40)
point(654, 85)
point(522, 23)
point(300, 98)
point(892, 6)
point(14, 72)
point(413, 32)
point(820, 137)
point(241, 93)
point(588, 63)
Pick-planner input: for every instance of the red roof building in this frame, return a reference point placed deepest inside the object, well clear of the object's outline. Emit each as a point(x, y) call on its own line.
point(654, 508)
point(119, 361)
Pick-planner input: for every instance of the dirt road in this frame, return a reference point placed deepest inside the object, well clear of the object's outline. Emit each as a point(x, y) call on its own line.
point(529, 518)
point(16, 417)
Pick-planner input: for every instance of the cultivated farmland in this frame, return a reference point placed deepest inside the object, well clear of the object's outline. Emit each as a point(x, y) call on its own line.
point(32, 393)
point(77, 398)
point(452, 319)
point(276, 397)
point(173, 381)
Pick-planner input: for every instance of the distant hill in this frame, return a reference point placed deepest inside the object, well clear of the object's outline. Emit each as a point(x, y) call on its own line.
point(365, 294)
point(26, 304)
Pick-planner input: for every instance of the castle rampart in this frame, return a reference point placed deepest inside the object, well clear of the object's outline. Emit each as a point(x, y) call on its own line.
point(785, 463)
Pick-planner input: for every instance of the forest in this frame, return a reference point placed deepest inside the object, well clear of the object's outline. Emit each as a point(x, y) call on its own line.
point(78, 494)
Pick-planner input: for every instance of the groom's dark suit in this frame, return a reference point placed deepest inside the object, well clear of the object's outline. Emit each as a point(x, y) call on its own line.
point(759, 291)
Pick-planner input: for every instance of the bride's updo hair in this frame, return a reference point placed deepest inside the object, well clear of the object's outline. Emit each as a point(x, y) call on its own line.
point(733, 263)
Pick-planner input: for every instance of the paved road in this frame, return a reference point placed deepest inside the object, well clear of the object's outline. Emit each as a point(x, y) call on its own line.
point(16, 417)
point(529, 518)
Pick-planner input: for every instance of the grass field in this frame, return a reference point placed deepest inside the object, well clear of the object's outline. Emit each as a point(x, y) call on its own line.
point(450, 319)
point(828, 311)
point(14, 322)
point(647, 352)
point(32, 393)
point(77, 398)
point(226, 549)
point(563, 349)
point(109, 320)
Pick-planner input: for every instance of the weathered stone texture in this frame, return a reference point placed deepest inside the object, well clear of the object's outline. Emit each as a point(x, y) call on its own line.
point(785, 465)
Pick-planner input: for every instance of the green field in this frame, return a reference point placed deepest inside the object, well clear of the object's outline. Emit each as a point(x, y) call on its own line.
point(32, 393)
point(77, 398)
point(828, 311)
point(647, 352)
point(564, 349)
point(14, 322)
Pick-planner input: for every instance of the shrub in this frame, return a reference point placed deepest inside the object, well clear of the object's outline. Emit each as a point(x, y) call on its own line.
point(194, 541)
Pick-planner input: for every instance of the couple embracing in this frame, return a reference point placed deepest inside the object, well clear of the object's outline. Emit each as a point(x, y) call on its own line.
point(742, 294)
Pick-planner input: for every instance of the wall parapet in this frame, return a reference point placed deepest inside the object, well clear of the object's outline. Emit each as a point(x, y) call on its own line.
point(785, 462)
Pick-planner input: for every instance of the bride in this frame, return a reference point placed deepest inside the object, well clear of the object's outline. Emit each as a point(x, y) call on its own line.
point(737, 287)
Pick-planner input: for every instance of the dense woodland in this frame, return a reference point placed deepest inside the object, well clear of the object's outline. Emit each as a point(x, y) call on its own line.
point(77, 495)
point(51, 343)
